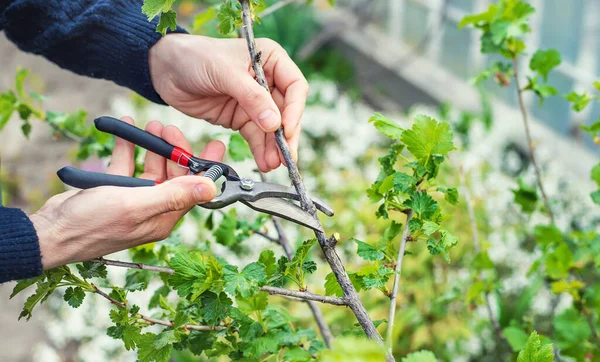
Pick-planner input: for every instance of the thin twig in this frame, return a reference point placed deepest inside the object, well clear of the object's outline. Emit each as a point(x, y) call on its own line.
point(273, 8)
point(396, 287)
point(266, 236)
point(327, 244)
point(153, 320)
point(538, 173)
point(125, 264)
point(304, 295)
point(477, 246)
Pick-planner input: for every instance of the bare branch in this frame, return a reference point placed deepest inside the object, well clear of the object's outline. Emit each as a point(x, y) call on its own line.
point(327, 244)
point(304, 295)
point(125, 264)
point(538, 173)
point(152, 321)
point(396, 287)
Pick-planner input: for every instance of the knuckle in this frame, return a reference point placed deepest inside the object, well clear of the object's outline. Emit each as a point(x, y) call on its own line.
point(177, 201)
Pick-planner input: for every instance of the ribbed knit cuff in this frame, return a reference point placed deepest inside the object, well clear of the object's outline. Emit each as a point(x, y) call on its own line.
point(125, 43)
point(19, 247)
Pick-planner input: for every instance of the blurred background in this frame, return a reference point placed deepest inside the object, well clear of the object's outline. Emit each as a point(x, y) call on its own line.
point(397, 57)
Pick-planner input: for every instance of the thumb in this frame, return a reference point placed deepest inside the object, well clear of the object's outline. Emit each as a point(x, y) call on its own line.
point(179, 194)
point(256, 102)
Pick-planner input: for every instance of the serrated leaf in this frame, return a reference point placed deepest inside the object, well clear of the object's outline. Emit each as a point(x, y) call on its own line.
point(153, 8)
point(547, 235)
point(257, 302)
point(429, 227)
point(168, 20)
point(165, 338)
point(427, 137)
point(129, 334)
point(378, 279)
point(368, 252)
point(484, 17)
point(74, 296)
point(403, 182)
point(225, 233)
point(238, 148)
point(543, 61)
point(246, 282)
point(148, 353)
point(24, 284)
point(228, 15)
point(267, 258)
point(296, 354)
point(386, 126)
point(332, 287)
point(423, 205)
point(215, 307)
point(89, 269)
point(579, 100)
point(558, 262)
point(195, 274)
point(542, 91)
point(534, 351)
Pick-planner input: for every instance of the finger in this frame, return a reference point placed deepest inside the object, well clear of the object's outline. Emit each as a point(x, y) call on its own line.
point(271, 152)
point(295, 101)
point(155, 166)
point(255, 100)
point(174, 136)
point(214, 151)
point(122, 159)
point(176, 195)
point(256, 141)
point(294, 142)
point(278, 98)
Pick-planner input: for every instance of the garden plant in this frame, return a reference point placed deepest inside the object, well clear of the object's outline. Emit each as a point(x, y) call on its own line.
point(406, 269)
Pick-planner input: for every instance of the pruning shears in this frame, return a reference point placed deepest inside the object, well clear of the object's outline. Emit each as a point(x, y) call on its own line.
point(272, 199)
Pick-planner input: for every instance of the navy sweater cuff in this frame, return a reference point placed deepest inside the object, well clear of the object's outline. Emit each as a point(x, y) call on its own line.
point(20, 256)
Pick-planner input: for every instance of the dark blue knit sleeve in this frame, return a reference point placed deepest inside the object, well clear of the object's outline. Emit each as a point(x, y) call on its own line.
point(19, 247)
point(107, 39)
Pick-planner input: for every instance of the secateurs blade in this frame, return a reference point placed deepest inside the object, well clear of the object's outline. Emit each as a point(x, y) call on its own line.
point(272, 199)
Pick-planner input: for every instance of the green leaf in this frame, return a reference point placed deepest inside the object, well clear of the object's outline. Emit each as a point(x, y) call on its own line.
point(543, 61)
point(595, 197)
point(89, 269)
point(26, 128)
point(168, 20)
point(246, 283)
point(534, 351)
point(516, 337)
point(257, 302)
point(238, 148)
point(262, 345)
point(355, 349)
point(368, 252)
point(165, 338)
point(267, 258)
point(228, 15)
point(74, 296)
point(403, 182)
point(429, 227)
point(422, 204)
point(484, 17)
point(195, 274)
point(579, 100)
point(559, 261)
point(595, 174)
point(153, 8)
point(542, 91)
point(293, 268)
point(297, 354)
point(7, 107)
point(451, 195)
point(332, 287)
point(378, 279)
point(386, 126)
point(24, 284)
point(526, 196)
point(571, 328)
point(128, 333)
point(147, 352)
point(428, 137)
point(225, 233)
point(215, 307)
point(420, 356)
point(547, 235)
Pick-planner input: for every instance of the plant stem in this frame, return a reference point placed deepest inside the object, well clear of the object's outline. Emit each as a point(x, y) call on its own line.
point(152, 320)
point(304, 295)
point(538, 173)
point(131, 265)
point(396, 287)
point(327, 244)
point(477, 246)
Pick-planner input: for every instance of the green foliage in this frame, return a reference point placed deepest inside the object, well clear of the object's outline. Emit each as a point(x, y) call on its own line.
point(238, 148)
point(526, 196)
point(421, 356)
point(386, 126)
point(543, 61)
point(534, 351)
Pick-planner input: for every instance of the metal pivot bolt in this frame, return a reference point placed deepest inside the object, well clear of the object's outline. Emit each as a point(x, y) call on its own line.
point(246, 184)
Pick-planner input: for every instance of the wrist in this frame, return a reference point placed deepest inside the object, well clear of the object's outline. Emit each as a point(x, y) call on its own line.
point(52, 253)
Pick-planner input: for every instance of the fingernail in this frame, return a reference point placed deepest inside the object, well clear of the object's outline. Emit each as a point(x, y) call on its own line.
point(203, 193)
point(268, 119)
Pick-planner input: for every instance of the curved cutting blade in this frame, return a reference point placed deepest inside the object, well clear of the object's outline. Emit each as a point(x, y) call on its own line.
point(285, 210)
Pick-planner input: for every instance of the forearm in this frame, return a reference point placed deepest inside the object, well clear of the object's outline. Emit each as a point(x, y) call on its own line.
point(108, 39)
point(19, 248)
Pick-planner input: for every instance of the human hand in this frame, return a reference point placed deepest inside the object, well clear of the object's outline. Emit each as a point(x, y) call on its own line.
point(213, 79)
point(80, 225)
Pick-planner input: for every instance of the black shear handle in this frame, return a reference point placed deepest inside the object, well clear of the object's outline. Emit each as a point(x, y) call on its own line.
point(137, 136)
point(86, 179)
